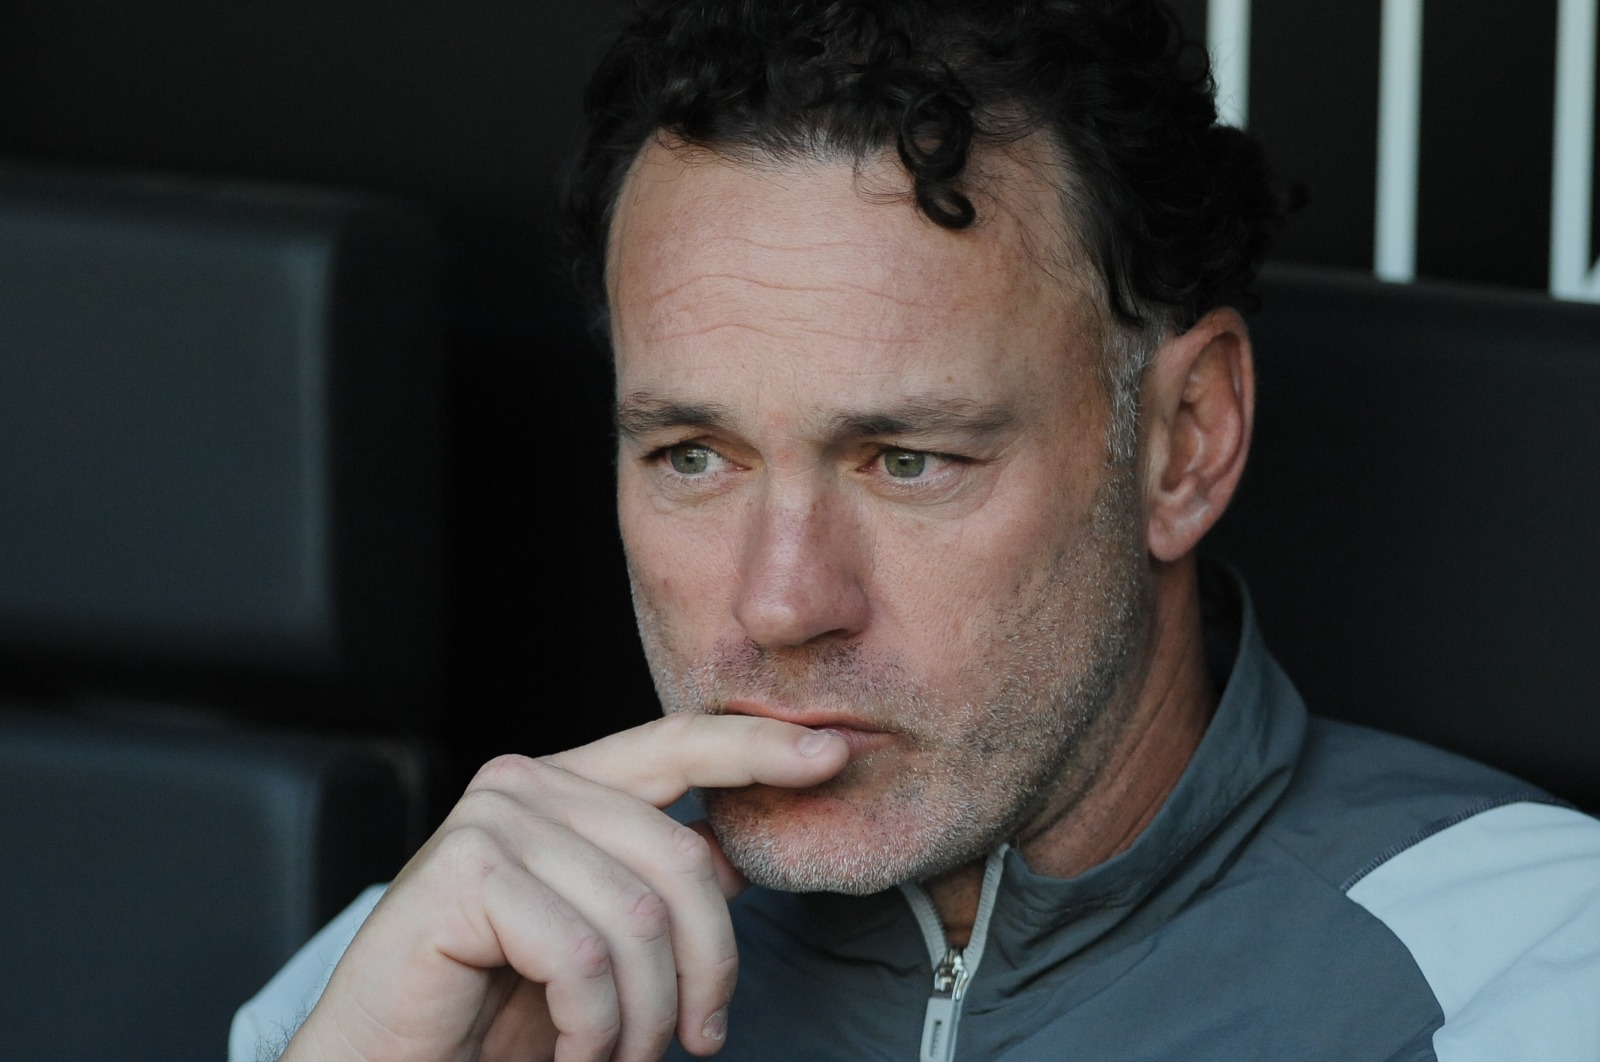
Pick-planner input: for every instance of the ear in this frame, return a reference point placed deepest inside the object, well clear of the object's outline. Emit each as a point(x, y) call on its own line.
point(1199, 398)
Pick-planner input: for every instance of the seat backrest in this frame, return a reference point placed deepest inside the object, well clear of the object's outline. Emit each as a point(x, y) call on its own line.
point(219, 446)
point(1420, 519)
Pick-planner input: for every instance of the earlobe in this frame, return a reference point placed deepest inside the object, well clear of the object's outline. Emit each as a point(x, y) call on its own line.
point(1200, 403)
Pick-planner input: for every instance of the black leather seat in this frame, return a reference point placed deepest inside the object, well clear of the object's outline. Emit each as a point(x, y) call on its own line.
point(219, 445)
point(220, 631)
point(158, 872)
point(1420, 519)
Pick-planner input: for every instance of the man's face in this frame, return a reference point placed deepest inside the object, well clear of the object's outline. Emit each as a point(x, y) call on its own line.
point(863, 485)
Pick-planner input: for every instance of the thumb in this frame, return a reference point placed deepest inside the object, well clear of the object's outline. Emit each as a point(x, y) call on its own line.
point(728, 876)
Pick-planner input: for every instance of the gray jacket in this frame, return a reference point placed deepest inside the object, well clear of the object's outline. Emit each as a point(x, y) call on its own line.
point(1310, 890)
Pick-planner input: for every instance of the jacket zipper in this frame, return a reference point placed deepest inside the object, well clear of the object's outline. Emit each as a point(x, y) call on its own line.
point(953, 967)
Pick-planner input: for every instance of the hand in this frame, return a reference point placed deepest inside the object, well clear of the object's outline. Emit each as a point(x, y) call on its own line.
point(557, 913)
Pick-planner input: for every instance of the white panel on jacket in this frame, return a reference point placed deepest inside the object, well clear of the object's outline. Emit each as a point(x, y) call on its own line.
point(1502, 914)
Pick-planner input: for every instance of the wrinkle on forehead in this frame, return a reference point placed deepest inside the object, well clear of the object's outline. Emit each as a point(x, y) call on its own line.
point(681, 310)
point(1019, 186)
point(737, 278)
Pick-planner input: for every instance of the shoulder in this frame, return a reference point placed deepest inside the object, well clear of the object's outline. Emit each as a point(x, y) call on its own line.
point(1490, 885)
point(1359, 796)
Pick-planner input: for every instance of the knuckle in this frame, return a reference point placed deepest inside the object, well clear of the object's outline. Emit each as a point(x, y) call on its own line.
point(665, 1023)
point(590, 955)
point(483, 805)
point(505, 772)
point(645, 916)
point(471, 849)
point(590, 1026)
point(724, 972)
point(689, 854)
point(762, 740)
point(605, 1031)
point(648, 1033)
point(493, 815)
point(677, 726)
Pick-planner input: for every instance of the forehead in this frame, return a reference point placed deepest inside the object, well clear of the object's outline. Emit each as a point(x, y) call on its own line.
point(827, 266)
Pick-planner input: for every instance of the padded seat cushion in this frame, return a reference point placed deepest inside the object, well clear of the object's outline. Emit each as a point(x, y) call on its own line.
point(156, 874)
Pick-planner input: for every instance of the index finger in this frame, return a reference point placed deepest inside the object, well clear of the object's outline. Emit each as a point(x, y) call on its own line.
point(665, 758)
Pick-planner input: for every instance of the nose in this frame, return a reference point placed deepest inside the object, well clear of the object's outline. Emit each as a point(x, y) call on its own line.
point(800, 573)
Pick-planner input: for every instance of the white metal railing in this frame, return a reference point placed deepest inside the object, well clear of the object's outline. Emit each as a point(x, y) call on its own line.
point(1574, 272)
point(1399, 125)
point(1228, 41)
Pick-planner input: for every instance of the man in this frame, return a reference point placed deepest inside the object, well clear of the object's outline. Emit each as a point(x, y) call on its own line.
point(927, 390)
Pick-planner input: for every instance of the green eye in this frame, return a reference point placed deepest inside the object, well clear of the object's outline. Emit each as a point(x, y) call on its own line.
point(689, 460)
point(905, 464)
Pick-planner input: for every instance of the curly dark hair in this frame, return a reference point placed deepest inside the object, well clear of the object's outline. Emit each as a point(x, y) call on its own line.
point(1173, 209)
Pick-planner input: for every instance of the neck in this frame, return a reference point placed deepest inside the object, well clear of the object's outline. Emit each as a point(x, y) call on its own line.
point(1127, 766)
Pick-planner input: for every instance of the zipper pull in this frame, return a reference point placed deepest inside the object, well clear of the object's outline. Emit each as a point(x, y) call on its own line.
point(944, 1008)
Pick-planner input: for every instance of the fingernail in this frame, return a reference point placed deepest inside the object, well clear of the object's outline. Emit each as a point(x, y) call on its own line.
point(814, 742)
point(716, 1026)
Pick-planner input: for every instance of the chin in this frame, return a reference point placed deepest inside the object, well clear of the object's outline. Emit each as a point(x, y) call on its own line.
point(814, 841)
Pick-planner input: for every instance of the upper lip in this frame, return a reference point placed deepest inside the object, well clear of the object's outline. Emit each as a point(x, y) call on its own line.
point(816, 719)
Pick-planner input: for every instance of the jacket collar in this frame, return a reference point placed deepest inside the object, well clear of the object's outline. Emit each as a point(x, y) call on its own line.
point(1238, 771)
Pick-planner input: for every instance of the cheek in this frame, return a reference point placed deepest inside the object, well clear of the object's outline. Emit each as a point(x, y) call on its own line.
point(682, 566)
point(945, 588)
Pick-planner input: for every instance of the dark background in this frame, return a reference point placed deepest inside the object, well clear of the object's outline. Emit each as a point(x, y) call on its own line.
point(469, 109)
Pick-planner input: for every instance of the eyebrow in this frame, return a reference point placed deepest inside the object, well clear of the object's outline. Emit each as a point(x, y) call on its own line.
point(925, 416)
point(642, 413)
